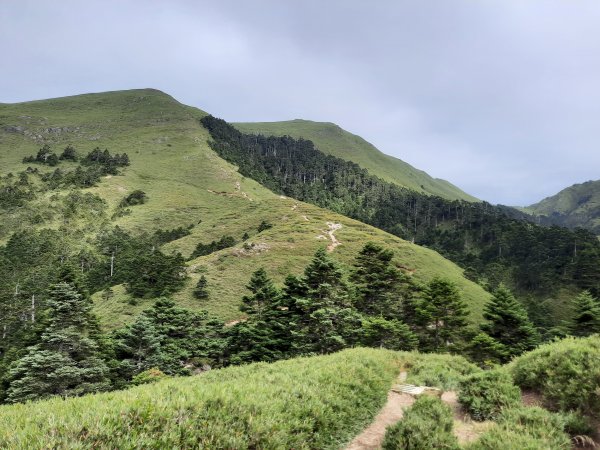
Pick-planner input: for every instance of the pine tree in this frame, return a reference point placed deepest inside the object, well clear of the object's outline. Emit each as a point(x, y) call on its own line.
point(66, 361)
point(586, 317)
point(509, 325)
point(264, 295)
point(201, 291)
point(320, 307)
point(390, 334)
point(378, 282)
point(138, 348)
point(443, 315)
point(265, 335)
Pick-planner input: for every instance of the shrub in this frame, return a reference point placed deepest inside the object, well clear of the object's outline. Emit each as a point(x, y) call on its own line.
point(137, 197)
point(525, 428)
point(442, 371)
point(484, 395)
point(426, 425)
point(148, 376)
point(566, 373)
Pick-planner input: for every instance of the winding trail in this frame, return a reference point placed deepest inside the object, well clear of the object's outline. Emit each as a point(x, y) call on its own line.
point(372, 436)
point(333, 227)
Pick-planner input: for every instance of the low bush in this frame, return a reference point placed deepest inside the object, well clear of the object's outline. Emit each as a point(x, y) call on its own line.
point(426, 425)
point(484, 395)
point(566, 373)
point(525, 428)
point(442, 371)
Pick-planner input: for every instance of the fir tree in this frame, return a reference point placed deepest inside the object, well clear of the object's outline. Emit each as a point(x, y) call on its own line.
point(137, 346)
point(509, 325)
point(324, 320)
point(67, 360)
point(377, 281)
point(390, 334)
point(265, 335)
point(442, 313)
point(586, 317)
point(201, 291)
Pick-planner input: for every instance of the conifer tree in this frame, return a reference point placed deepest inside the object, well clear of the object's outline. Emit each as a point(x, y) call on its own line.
point(442, 314)
point(390, 334)
point(377, 282)
point(265, 335)
point(324, 321)
point(201, 291)
point(586, 317)
point(509, 325)
point(138, 348)
point(66, 361)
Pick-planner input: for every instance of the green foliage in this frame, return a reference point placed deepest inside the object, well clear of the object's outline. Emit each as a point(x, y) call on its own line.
point(438, 370)
point(486, 351)
point(163, 236)
point(201, 291)
point(485, 395)
point(442, 314)
point(137, 197)
point(586, 318)
point(390, 334)
point(426, 425)
point(148, 376)
point(68, 154)
point(43, 156)
point(381, 288)
point(508, 326)
point(566, 373)
point(264, 225)
point(66, 362)
point(206, 249)
point(305, 403)
point(525, 428)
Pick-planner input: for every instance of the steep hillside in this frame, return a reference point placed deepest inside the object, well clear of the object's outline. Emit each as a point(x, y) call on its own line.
point(335, 141)
point(575, 206)
point(187, 185)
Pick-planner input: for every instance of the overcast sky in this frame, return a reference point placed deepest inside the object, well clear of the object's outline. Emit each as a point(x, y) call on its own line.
point(502, 98)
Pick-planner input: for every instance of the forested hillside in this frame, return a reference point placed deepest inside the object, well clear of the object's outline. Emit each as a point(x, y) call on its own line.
point(575, 206)
point(491, 245)
point(118, 198)
point(333, 140)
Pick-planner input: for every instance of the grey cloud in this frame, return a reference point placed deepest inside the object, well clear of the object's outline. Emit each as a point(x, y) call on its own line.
point(499, 97)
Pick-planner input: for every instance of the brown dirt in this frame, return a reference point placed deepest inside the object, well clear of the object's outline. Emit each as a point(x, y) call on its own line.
point(531, 398)
point(465, 429)
point(372, 436)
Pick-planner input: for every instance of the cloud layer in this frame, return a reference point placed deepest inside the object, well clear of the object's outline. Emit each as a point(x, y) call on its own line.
point(499, 97)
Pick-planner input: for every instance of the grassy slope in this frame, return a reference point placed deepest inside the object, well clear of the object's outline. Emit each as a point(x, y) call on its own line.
point(187, 183)
point(332, 139)
point(580, 204)
point(318, 402)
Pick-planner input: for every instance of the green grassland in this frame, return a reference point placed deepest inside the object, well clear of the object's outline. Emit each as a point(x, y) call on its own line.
point(319, 402)
point(335, 141)
point(575, 206)
point(188, 184)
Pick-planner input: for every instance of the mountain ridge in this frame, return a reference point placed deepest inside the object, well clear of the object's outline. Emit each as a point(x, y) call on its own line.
point(334, 140)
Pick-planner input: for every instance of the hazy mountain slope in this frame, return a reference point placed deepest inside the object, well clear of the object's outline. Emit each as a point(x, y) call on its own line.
point(333, 140)
point(188, 184)
point(575, 206)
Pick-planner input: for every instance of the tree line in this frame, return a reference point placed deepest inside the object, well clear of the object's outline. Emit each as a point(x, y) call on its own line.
point(494, 244)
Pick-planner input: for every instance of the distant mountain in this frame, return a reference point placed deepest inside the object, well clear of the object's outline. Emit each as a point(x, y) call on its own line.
point(333, 140)
point(575, 206)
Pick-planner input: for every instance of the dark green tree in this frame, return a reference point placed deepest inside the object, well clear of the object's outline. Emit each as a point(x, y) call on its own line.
point(324, 319)
point(378, 282)
point(509, 325)
point(137, 347)
point(66, 361)
point(586, 317)
point(201, 291)
point(265, 335)
point(390, 334)
point(442, 315)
